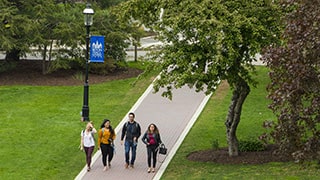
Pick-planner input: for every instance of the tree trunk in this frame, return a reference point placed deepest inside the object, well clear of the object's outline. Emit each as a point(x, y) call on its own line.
point(135, 52)
point(240, 93)
point(46, 63)
point(13, 55)
point(44, 55)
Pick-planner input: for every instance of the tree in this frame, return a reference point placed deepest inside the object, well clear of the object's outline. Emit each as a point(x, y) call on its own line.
point(16, 39)
point(295, 81)
point(106, 4)
point(55, 25)
point(208, 41)
point(45, 24)
point(115, 38)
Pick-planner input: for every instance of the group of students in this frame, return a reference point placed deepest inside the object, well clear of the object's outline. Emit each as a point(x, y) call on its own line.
point(131, 132)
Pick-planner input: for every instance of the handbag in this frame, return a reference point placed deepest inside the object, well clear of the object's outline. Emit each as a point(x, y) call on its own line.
point(162, 149)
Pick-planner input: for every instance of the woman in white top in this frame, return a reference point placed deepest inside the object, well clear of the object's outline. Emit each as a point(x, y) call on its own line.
point(88, 142)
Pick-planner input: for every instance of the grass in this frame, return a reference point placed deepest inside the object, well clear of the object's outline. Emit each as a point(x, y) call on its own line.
point(40, 125)
point(40, 128)
point(210, 128)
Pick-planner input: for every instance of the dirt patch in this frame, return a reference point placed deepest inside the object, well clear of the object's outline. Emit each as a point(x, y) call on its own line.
point(221, 156)
point(29, 73)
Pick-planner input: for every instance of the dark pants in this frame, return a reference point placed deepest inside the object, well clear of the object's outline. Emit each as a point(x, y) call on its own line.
point(152, 154)
point(127, 146)
point(88, 151)
point(107, 151)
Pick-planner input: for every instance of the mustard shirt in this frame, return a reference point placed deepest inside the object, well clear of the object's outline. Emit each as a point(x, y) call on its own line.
point(103, 138)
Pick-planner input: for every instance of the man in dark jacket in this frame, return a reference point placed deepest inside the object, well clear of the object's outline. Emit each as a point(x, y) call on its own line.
point(131, 131)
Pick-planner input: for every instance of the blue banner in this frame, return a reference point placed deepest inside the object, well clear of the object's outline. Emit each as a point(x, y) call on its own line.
point(97, 49)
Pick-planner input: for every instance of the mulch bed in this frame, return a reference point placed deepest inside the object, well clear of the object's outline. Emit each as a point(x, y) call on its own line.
point(221, 156)
point(30, 73)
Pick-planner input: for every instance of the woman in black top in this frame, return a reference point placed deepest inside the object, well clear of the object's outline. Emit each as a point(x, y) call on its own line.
point(152, 139)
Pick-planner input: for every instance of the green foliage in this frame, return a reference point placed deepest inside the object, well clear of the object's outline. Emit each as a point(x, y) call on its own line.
point(57, 31)
point(106, 4)
point(207, 40)
point(6, 66)
point(215, 144)
point(250, 145)
point(103, 68)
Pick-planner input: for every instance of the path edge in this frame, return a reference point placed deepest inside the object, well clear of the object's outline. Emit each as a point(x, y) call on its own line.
point(117, 130)
point(174, 149)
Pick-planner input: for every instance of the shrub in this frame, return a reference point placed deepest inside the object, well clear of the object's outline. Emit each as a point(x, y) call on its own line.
point(250, 145)
point(7, 66)
point(103, 68)
point(215, 144)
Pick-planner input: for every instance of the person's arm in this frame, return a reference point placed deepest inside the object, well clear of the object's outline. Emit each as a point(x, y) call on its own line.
point(159, 139)
point(123, 133)
point(94, 130)
point(99, 138)
point(139, 131)
point(114, 135)
point(144, 139)
point(81, 141)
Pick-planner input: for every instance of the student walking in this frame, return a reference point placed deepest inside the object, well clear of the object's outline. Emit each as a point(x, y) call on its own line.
point(106, 136)
point(87, 142)
point(152, 139)
point(131, 131)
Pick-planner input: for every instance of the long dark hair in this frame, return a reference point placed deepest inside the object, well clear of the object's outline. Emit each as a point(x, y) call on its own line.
point(156, 130)
point(110, 127)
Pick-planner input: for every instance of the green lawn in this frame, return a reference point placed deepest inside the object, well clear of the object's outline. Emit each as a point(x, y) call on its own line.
point(210, 127)
point(40, 125)
point(40, 128)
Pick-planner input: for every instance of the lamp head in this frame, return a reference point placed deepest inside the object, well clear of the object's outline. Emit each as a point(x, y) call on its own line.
point(88, 15)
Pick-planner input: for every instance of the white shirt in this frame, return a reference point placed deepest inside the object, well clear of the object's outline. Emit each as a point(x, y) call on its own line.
point(88, 139)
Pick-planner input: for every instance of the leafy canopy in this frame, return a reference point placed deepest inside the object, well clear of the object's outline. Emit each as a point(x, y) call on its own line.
point(206, 41)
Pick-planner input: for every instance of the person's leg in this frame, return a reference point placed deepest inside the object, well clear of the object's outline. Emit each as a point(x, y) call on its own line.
point(86, 150)
point(154, 156)
point(133, 151)
point(149, 156)
point(127, 150)
point(89, 157)
point(110, 155)
point(104, 154)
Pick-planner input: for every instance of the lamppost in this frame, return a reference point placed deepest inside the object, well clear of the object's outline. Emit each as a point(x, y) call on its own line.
point(88, 20)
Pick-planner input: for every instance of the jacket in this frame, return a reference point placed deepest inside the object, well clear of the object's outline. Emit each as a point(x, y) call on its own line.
point(130, 130)
point(156, 136)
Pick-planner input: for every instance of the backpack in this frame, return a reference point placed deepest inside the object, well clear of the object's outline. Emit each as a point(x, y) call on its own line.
point(126, 125)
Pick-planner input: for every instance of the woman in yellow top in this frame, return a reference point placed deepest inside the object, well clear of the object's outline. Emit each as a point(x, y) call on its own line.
point(106, 136)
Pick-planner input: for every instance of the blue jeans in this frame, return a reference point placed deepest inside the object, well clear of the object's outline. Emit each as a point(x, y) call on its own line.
point(127, 146)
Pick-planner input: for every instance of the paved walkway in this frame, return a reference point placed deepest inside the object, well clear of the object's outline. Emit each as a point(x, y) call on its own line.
point(174, 120)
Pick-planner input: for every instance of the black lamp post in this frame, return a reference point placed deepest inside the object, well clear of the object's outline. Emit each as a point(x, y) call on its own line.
point(88, 20)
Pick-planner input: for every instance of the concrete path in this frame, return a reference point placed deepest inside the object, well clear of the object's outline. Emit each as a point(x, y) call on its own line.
point(174, 120)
